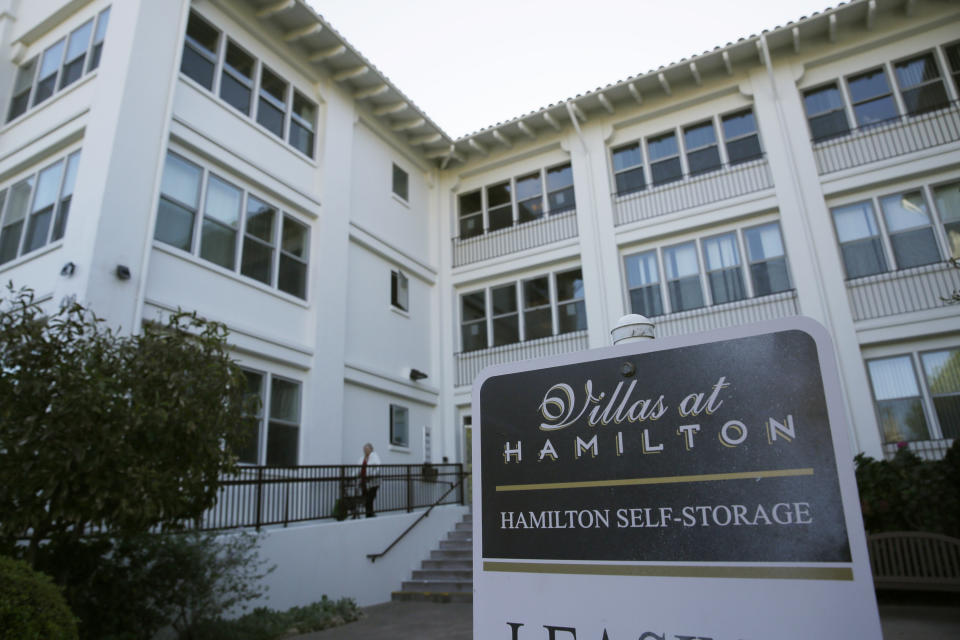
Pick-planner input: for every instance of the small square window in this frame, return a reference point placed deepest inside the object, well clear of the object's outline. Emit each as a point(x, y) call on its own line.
point(399, 290)
point(399, 426)
point(401, 183)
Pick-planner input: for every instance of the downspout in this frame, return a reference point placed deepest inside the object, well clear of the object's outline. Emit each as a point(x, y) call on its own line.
point(595, 225)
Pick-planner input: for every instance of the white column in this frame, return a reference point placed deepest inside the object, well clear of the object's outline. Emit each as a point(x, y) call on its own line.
point(811, 245)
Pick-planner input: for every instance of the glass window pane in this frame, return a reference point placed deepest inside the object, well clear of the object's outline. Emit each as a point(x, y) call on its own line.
point(473, 306)
point(223, 202)
point(770, 276)
point(498, 194)
point(48, 185)
point(506, 330)
point(504, 299)
point(218, 244)
point(914, 248)
point(181, 180)
point(630, 181)
point(947, 199)
point(739, 124)
point(721, 252)
point(899, 406)
point(893, 378)
point(292, 278)
point(559, 177)
point(202, 33)
point(76, 54)
point(239, 61)
point(19, 201)
point(627, 156)
point(764, 242)
point(868, 85)
point(917, 71)
point(537, 323)
point(744, 149)
point(703, 160)
point(570, 285)
point(102, 21)
point(270, 117)
point(474, 336)
point(400, 183)
point(70, 179)
point(47, 75)
point(662, 146)
point(699, 135)
point(399, 425)
point(875, 111)
point(646, 301)
point(536, 292)
point(257, 261)
point(282, 442)
point(37, 230)
point(571, 316)
point(235, 93)
point(273, 85)
point(260, 219)
point(470, 202)
point(528, 186)
point(174, 224)
point(20, 98)
point(302, 124)
point(822, 100)
point(855, 221)
point(295, 239)
point(641, 269)
point(942, 369)
point(284, 400)
point(681, 261)
point(10, 241)
point(197, 67)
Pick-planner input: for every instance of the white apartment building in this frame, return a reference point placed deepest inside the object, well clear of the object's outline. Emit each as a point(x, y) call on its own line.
point(239, 158)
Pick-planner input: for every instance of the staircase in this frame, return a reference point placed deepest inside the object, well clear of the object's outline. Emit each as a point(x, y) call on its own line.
point(447, 576)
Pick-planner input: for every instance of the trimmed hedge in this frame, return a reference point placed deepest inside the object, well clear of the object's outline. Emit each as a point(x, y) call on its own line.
point(31, 605)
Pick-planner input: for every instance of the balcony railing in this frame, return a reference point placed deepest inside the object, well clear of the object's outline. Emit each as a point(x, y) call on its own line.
point(778, 305)
point(925, 449)
point(469, 363)
point(723, 184)
point(889, 139)
point(916, 289)
point(527, 235)
point(262, 496)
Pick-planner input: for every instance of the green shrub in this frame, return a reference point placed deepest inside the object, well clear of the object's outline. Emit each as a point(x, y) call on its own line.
point(31, 606)
point(910, 494)
point(267, 624)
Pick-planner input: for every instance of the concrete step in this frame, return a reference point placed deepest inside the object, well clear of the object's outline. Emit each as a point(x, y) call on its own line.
point(460, 535)
point(451, 554)
point(415, 596)
point(443, 574)
point(448, 564)
point(437, 586)
point(464, 526)
point(466, 545)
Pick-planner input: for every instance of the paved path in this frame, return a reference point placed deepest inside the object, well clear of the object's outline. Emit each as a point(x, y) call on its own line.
point(432, 621)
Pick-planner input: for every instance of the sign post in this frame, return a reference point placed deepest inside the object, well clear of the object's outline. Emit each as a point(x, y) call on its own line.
point(691, 487)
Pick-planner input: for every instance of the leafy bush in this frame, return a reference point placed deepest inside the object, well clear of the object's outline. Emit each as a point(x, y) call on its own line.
point(267, 624)
point(910, 494)
point(31, 606)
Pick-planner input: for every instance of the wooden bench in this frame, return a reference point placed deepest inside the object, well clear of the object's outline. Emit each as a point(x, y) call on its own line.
point(915, 560)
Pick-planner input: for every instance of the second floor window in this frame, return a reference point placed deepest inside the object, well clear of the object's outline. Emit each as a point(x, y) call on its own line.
point(276, 437)
point(538, 307)
point(237, 230)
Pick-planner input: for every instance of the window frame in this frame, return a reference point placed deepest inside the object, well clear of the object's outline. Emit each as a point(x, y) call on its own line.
point(404, 183)
point(904, 104)
point(265, 415)
point(399, 291)
point(396, 441)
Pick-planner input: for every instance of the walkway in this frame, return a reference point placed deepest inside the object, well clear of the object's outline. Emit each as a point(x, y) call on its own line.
point(432, 621)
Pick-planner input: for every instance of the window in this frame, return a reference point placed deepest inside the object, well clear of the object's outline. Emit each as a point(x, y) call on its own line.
point(898, 399)
point(871, 97)
point(905, 236)
point(683, 277)
point(700, 141)
point(228, 209)
point(908, 225)
point(401, 183)
point(947, 200)
point(547, 305)
point(723, 268)
point(628, 169)
point(953, 59)
point(643, 283)
point(741, 136)
point(723, 271)
point(279, 108)
point(275, 441)
point(60, 65)
point(825, 112)
point(664, 159)
point(921, 87)
point(399, 426)
point(859, 239)
point(34, 210)
point(399, 291)
point(516, 201)
point(768, 261)
point(560, 195)
point(942, 374)
point(200, 51)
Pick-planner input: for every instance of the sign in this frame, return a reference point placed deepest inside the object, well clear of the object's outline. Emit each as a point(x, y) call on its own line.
point(694, 487)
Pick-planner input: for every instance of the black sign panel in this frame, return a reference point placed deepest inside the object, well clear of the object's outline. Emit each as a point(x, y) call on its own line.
point(718, 452)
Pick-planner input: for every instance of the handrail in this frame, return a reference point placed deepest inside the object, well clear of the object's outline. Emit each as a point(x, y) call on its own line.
point(453, 485)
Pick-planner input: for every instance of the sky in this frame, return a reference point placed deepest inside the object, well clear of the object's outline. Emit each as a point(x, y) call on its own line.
point(469, 65)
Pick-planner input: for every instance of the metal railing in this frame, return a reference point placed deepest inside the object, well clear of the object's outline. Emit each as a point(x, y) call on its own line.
point(777, 305)
point(925, 449)
point(693, 191)
point(261, 496)
point(888, 139)
point(895, 292)
point(526, 235)
point(469, 363)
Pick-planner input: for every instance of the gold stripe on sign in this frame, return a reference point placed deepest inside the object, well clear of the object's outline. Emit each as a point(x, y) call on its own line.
point(676, 571)
point(706, 477)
